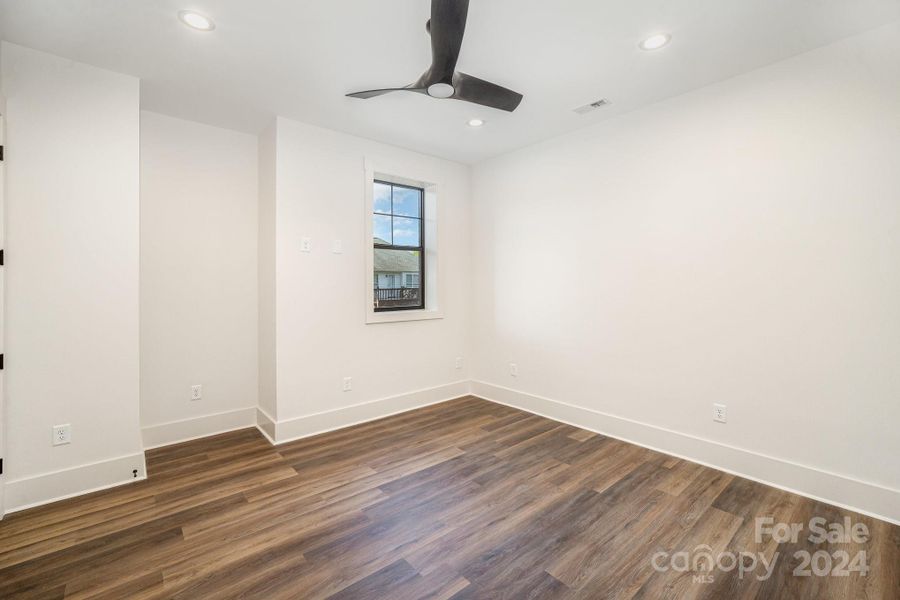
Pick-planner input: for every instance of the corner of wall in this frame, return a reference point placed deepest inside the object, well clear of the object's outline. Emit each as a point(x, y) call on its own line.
point(267, 174)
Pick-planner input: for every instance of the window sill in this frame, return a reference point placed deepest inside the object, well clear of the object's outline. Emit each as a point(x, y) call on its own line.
point(397, 316)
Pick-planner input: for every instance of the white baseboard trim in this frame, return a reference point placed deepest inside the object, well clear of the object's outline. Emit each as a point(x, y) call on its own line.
point(845, 492)
point(288, 430)
point(266, 425)
point(185, 430)
point(840, 490)
point(41, 489)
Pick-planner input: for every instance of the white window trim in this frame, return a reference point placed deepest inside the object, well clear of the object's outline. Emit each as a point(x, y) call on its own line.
point(383, 170)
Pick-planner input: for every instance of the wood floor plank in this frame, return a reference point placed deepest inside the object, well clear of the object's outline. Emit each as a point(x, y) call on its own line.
point(394, 575)
point(714, 531)
point(464, 499)
point(582, 435)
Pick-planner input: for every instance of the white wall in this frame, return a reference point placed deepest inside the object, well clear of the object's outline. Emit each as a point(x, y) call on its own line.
point(72, 209)
point(738, 244)
point(266, 252)
point(198, 278)
point(322, 335)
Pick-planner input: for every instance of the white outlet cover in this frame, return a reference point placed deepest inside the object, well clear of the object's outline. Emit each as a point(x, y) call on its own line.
point(720, 413)
point(62, 434)
point(337, 247)
point(196, 392)
point(459, 362)
point(305, 244)
point(514, 369)
point(348, 384)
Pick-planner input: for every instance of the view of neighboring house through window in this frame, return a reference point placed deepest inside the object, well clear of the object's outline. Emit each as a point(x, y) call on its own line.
point(399, 246)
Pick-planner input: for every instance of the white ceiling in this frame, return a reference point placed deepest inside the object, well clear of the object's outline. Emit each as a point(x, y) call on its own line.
point(297, 58)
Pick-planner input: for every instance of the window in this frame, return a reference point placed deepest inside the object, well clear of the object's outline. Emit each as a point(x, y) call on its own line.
point(399, 246)
point(403, 259)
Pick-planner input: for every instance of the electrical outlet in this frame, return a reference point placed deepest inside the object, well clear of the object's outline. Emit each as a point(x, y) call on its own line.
point(62, 434)
point(513, 369)
point(337, 247)
point(196, 392)
point(720, 413)
point(348, 384)
point(305, 244)
point(459, 362)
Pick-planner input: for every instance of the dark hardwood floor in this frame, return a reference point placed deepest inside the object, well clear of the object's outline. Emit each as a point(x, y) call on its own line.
point(465, 499)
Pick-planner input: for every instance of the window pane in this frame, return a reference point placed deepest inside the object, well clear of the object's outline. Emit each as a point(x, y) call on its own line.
point(397, 280)
point(382, 198)
point(381, 229)
point(406, 231)
point(407, 202)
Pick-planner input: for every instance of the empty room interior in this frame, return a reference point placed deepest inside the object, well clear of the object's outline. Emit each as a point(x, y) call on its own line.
point(450, 299)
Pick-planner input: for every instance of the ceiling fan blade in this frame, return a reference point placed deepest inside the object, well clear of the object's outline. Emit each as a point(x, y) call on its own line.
point(485, 93)
point(447, 26)
point(373, 93)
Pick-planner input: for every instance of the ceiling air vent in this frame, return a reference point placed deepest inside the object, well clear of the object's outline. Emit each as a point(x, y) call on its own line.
point(581, 110)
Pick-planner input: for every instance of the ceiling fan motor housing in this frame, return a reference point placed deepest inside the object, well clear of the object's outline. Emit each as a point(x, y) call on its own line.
point(441, 90)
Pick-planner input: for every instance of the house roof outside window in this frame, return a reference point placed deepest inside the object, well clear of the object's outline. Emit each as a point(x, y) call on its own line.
point(395, 261)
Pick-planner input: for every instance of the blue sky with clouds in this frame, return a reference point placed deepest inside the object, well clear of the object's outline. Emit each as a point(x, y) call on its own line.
point(402, 228)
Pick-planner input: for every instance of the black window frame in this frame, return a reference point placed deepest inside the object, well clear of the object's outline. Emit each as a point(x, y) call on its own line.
point(420, 248)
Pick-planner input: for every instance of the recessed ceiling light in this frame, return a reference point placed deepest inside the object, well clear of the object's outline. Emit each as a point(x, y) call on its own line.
point(196, 20)
point(476, 122)
point(655, 42)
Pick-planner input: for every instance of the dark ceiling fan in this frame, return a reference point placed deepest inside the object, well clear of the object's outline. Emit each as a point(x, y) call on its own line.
point(447, 26)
